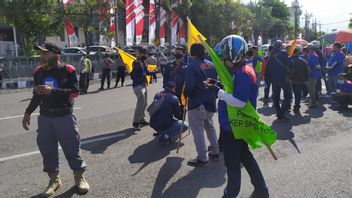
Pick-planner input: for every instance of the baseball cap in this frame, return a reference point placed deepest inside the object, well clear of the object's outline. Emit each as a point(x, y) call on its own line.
point(48, 46)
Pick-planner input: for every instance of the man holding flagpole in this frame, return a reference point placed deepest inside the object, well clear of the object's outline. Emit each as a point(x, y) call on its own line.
point(232, 50)
point(201, 106)
point(139, 83)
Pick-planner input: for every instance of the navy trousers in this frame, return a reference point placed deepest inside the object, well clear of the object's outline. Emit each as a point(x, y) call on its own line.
point(63, 130)
point(235, 153)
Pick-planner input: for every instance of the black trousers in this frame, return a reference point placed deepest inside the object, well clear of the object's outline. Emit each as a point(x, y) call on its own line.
point(83, 82)
point(120, 75)
point(0, 80)
point(105, 75)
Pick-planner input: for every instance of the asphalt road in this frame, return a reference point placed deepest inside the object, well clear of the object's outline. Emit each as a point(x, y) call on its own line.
point(314, 152)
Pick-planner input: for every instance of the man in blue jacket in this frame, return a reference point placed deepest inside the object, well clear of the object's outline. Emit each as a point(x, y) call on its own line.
point(167, 120)
point(334, 67)
point(176, 71)
point(201, 105)
point(277, 70)
point(139, 83)
point(314, 75)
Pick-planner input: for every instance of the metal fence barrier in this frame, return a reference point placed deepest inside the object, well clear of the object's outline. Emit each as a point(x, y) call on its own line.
point(17, 72)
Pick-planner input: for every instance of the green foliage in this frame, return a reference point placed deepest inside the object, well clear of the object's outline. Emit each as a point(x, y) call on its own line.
point(271, 18)
point(88, 15)
point(33, 19)
point(217, 18)
point(350, 24)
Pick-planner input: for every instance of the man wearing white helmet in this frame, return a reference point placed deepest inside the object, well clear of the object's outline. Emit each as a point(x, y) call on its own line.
point(232, 50)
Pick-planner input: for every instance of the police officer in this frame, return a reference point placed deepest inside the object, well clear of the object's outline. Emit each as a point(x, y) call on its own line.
point(55, 87)
point(106, 70)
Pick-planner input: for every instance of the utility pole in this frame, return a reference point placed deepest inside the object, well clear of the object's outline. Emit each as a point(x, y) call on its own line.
point(315, 28)
point(306, 25)
point(157, 28)
point(296, 19)
point(116, 21)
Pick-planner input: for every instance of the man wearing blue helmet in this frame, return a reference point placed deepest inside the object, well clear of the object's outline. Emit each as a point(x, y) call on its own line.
point(232, 50)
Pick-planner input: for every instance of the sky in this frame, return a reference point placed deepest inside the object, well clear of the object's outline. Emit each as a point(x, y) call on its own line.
point(331, 15)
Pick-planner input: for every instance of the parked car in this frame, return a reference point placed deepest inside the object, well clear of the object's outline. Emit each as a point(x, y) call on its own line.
point(73, 51)
point(102, 49)
point(130, 50)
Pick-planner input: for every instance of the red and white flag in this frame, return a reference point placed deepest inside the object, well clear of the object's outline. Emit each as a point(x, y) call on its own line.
point(152, 22)
point(139, 11)
point(174, 22)
point(182, 31)
point(72, 38)
point(130, 22)
point(162, 26)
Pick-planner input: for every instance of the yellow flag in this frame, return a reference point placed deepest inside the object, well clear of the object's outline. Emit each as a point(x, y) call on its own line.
point(183, 97)
point(292, 48)
point(192, 35)
point(128, 59)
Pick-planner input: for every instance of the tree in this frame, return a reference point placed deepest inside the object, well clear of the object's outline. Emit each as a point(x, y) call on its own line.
point(271, 18)
point(217, 18)
point(33, 19)
point(92, 15)
point(350, 24)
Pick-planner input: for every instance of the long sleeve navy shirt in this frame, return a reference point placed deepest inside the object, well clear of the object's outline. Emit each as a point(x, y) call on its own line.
point(138, 73)
point(197, 72)
point(64, 82)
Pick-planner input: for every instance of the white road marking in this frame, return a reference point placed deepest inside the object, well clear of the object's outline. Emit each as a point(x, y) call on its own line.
point(82, 143)
point(34, 114)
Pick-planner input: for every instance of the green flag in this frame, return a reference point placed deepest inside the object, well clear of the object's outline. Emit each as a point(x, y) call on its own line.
point(245, 122)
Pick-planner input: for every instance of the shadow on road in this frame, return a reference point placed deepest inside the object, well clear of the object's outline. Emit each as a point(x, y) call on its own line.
point(92, 92)
point(211, 176)
point(99, 144)
point(150, 152)
point(317, 112)
point(284, 132)
point(68, 194)
point(298, 119)
point(169, 169)
point(266, 110)
point(343, 111)
point(25, 100)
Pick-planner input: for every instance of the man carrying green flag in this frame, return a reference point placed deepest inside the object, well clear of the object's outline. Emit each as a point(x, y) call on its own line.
point(239, 123)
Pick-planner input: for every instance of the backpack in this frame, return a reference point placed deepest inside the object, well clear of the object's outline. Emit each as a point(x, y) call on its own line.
point(155, 106)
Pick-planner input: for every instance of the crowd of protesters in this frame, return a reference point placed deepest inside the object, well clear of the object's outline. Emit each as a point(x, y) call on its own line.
point(191, 88)
point(302, 73)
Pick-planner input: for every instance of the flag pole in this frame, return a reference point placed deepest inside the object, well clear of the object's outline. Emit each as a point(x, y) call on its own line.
point(183, 121)
point(271, 152)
